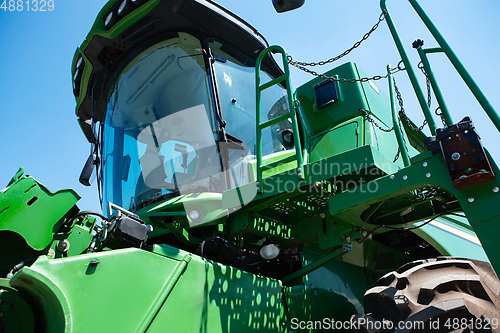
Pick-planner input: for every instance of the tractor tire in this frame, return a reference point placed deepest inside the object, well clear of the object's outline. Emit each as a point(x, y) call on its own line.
point(435, 295)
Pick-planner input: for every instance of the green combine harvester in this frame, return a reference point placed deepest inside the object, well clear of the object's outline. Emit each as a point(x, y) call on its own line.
point(232, 203)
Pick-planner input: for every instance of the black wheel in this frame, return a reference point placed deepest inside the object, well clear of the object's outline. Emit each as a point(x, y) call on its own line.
point(436, 295)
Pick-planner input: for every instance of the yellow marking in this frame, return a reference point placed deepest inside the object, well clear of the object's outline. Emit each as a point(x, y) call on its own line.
point(457, 232)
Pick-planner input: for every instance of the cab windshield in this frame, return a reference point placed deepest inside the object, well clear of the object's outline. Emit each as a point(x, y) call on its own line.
point(158, 137)
point(161, 129)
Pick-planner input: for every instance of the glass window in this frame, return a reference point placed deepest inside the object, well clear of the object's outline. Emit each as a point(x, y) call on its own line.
point(158, 135)
point(235, 75)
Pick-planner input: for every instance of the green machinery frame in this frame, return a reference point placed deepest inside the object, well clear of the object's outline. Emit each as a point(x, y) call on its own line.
point(218, 297)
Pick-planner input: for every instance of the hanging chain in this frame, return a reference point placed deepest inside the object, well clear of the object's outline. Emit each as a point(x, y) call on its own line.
point(364, 79)
point(346, 52)
point(402, 112)
point(428, 81)
point(302, 65)
point(372, 120)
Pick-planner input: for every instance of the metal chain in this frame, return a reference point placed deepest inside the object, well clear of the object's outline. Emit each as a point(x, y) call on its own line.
point(301, 65)
point(371, 120)
point(346, 52)
point(364, 79)
point(440, 115)
point(428, 83)
point(402, 112)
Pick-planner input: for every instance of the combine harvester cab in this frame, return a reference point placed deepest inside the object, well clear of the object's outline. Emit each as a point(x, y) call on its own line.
point(234, 204)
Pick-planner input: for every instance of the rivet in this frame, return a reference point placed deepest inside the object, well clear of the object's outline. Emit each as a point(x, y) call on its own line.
point(428, 175)
point(258, 183)
point(495, 189)
point(258, 188)
point(300, 174)
point(471, 199)
point(322, 215)
point(425, 164)
point(391, 177)
point(299, 169)
point(455, 156)
point(405, 177)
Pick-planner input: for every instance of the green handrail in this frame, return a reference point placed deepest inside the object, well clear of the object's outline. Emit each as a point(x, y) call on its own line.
point(409, 69)
point(444, 47)
point(430, 74)
point(478, 94)
point(289, 115)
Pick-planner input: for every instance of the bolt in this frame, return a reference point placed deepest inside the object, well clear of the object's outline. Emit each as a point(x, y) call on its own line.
point(405, 177)
point(348, 239)
point(391, 177)
point(258, 188)
point(149, 228)
point(299, 169)
point(495, 189)
point(428, 175)
point(258, 183)
point(51, 254)
point(471, 199)
point(322, 215)
point(425, 164)
point(300, 174)
point(63, 245)
point(233, 100)
point(455, 156)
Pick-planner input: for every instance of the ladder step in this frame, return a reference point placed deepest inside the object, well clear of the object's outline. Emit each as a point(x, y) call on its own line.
point(272, 82)
point(271, 165)
point(275, 120)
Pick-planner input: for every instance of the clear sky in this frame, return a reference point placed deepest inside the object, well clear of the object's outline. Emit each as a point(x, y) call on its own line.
point(37, 107)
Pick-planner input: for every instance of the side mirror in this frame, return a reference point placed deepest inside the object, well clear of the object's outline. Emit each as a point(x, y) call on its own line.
point(287, 139)
point(286, 5)
point(88, 173)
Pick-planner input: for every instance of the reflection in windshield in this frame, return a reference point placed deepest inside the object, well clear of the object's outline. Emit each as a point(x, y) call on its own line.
point(159, 120)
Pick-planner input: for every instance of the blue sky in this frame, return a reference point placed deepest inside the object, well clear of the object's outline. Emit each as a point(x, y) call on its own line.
point(39, 127)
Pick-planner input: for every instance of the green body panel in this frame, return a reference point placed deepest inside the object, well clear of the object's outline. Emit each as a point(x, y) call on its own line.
point(26, 200)
point(214, 297)
point(316, 120)
point(337, 140)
